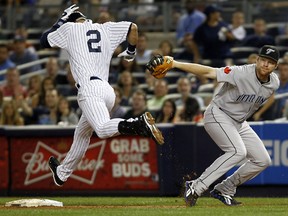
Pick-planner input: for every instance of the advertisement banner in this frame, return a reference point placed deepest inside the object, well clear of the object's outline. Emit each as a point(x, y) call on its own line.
point(275, 139)
point(120, 163)
point(4, 164)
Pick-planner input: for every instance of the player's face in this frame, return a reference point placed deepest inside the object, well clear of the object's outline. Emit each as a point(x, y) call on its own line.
point(265, 66)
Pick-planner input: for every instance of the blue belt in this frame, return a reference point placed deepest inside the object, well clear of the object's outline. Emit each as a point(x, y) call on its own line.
point(91, 78)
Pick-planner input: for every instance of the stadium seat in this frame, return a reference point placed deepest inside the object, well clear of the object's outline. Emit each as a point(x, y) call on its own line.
point(139, 76)
point(282, 49)
point(243, 52)
point(282, 40)
point(273, 29)
point(249, 28)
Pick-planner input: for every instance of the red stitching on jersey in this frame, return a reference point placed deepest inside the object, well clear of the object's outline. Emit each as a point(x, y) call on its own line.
point(227, 70)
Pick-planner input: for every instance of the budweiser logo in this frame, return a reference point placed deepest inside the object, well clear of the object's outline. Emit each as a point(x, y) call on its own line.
point(37, 167)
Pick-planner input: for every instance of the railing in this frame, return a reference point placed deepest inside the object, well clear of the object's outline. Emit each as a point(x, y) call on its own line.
point(150, 17)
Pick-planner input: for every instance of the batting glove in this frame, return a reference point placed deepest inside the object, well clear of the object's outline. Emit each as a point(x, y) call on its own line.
point(128, 56)
point(68, 11)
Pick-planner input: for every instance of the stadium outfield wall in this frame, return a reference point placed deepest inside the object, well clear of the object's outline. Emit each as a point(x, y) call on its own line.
point(129, 165)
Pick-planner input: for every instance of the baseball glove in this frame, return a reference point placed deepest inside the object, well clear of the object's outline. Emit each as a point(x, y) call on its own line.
point(159, 65)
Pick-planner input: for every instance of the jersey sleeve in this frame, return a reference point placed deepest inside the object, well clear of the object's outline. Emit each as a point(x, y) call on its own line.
point(117, 32)
point(226, 74)
point(59, 37)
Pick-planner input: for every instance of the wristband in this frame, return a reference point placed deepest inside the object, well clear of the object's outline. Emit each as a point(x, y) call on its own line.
point(131, 48)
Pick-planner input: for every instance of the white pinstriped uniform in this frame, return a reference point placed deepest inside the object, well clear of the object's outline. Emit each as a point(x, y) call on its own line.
point(90, 47)
point(225, 121)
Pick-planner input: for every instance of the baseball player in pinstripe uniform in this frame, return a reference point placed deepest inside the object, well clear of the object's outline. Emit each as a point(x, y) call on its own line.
point(245, 88)
point(90, 47)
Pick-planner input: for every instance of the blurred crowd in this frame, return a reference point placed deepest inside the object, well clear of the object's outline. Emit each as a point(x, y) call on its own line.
point(44, 93)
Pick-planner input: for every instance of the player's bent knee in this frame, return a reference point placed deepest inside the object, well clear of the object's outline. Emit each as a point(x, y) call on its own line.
point(265, 162)
point(241, 153)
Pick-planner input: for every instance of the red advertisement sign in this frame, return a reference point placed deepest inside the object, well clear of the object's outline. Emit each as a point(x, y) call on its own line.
point(120, 163)
point(4, 164)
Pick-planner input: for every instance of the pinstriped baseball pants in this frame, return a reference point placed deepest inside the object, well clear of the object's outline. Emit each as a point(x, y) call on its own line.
point(96, 99)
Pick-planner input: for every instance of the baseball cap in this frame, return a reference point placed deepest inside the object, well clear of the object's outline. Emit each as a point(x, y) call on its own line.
point(270, 52)
point(211, 9)
point(75, 15)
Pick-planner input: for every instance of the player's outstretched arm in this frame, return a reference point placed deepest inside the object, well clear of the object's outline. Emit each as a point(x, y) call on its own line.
point(65, 15)
point(196, 69)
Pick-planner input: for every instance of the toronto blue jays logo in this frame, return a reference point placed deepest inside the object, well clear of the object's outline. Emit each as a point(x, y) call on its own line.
point(269, 50)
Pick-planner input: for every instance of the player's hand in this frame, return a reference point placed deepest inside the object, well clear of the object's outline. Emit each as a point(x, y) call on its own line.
point(128, 56)
point(68, 11)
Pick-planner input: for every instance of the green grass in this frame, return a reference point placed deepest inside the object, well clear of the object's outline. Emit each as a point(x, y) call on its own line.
point(148, 206)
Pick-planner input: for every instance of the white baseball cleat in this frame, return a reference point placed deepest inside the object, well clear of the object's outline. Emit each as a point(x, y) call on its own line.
point(190, 194)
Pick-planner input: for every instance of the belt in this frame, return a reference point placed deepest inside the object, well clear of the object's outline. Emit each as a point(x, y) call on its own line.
point(91, 78)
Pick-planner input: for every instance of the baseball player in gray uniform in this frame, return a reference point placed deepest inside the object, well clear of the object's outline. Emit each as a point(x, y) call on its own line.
point(245, 88)
point(90, 47)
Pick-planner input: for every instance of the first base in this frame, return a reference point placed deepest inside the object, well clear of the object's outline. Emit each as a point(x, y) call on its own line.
point(33, 203)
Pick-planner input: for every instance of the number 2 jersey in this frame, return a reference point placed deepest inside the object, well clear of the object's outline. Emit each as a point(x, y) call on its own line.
point(242, 93)
point(90, 46)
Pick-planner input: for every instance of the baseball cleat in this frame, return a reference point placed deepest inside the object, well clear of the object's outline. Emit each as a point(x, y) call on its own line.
point(226, 199)
point(53, 164)
point(154, 132)
point(190, 194)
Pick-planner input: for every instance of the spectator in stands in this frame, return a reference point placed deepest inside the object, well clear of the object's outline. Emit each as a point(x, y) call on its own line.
point(189, 21)
point(165, 48)
point(155, 103)
point(283, 88)
point(12, 86)
point(128, 85)
point(284, 30)
point(184, 89)
point(260, 36)
point(131, 66)
point(5, 61)
point(105, 16)
point(149, 83)
point(138, 105)
point(53, 71)
point(117, 111)
point(39, 98)
point(21, 55)
point(213, 37)
point(44, 114)
point(190, 52)
point(124, 65)
point(190, 112)
point(167, 112)
point(285, 57)
point(274, 108)
point(23, 32)
point(1, 101)
point(10, 114)
point(65, 115)
point(143, 53)
point(237, 28)
point(68, 89)
point(142, 12)
point(252, 58)
point(285, 112)
point(34, 88)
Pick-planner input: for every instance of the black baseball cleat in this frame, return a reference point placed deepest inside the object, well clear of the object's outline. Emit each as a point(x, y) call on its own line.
point(190, 194)
point(151, 128)
point(226, 199)
point(53, 164)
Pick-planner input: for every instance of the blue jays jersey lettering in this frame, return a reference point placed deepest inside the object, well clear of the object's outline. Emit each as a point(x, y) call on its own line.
point(240, 97)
